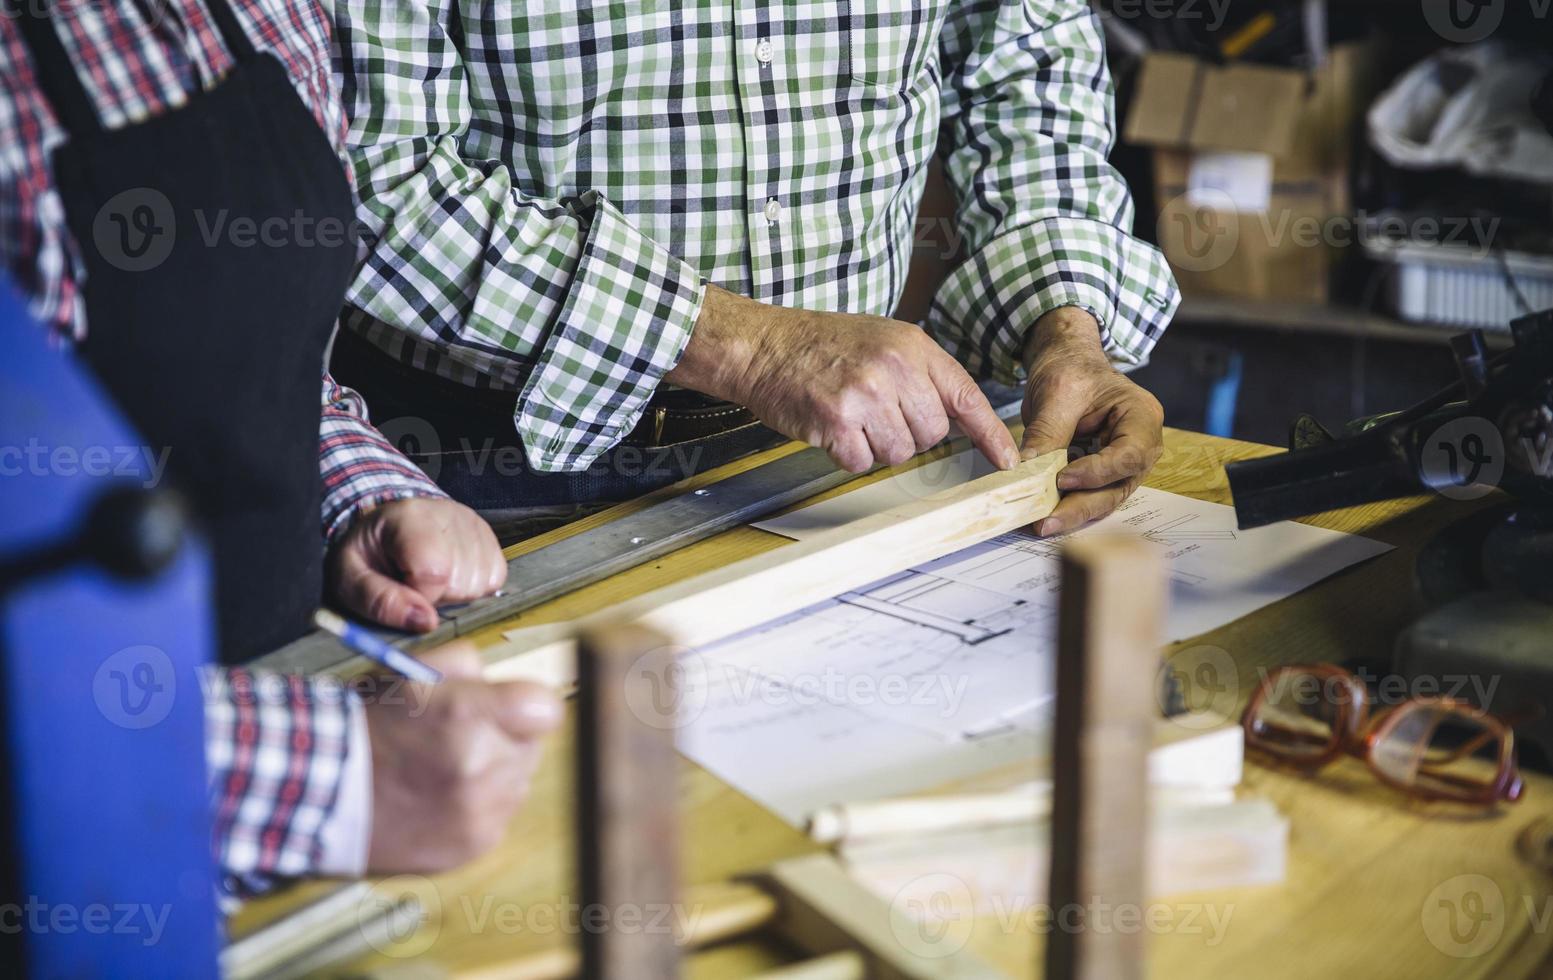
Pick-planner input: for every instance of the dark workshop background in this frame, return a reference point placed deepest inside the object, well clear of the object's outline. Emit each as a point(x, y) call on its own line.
point(1332, 284)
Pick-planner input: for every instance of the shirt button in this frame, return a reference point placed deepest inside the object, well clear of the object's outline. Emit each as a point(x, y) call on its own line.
point(765, 51)
point(773, 211)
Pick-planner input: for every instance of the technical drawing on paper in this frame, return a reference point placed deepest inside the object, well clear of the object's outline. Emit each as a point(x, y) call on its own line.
point(960, 654)
point(946, 669)
point(969, 612)
point(1186, 528)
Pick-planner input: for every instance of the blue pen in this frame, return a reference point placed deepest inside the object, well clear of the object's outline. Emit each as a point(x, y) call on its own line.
point(364, 643)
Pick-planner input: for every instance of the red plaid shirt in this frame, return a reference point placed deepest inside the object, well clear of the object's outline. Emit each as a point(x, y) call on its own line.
point(275, 767)
point(276, 748)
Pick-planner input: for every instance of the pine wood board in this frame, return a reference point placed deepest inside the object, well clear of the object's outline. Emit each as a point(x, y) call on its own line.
point(765, 586)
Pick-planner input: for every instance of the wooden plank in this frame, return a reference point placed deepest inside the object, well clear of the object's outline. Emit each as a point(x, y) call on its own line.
point(1108, 637)
point(377, 926)
point(727, 911)
point(1187, 766)
point(761, 588)
point(309, 926)
point(843, 965)
point(1191, 848)
point(628, 803)
point(825, 910)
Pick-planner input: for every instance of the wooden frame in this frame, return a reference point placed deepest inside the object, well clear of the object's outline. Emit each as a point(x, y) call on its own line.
point(829, 914)
point(718, 604)
point(1110, 618)
point(628, 853)
point(627, 797)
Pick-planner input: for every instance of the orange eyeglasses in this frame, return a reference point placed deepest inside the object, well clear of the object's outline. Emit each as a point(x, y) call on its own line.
point(1432, 748)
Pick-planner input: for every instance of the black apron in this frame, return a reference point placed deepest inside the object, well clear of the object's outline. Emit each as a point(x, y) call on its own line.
point(217, 258)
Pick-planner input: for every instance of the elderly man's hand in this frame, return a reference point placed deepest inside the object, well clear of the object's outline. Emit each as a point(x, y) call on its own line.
point(397, 562)
point(1074, 392)
point(867, 389)
point(451, 764)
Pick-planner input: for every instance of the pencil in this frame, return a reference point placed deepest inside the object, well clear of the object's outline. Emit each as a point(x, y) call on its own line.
point(362, 642)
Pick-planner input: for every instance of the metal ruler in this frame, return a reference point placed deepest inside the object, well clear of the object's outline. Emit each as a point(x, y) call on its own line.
point(593, 555)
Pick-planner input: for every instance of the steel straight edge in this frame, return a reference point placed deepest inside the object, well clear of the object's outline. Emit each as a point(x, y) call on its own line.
point(595, 554)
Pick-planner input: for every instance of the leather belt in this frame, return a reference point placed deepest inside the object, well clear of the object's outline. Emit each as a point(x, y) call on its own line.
point(676, 416)
point(673, 415)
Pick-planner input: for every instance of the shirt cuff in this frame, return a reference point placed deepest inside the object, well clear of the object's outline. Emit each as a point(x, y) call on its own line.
point(361, 469)
point(986, 307)
point(275, 750)
point(346, 835)
point(625, 323)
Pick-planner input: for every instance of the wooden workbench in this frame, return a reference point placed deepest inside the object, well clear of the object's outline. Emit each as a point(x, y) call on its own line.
point(1377, 887)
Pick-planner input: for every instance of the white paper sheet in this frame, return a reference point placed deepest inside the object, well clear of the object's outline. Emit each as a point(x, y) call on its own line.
point(795, 755)
point(945, 670)
point(1219, 573)
point(1230, 181)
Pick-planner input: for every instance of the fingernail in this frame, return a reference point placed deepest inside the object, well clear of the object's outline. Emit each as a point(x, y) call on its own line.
point(1066, 481)
point(422, 621)
point(1048, 527)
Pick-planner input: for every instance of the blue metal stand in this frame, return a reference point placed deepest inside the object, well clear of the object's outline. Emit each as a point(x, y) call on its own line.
point(105, 856)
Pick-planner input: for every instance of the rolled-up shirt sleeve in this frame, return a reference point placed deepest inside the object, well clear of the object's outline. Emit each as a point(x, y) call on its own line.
point(1026, 128)
point(277, 752)
point(361, 468)
point(565, 301)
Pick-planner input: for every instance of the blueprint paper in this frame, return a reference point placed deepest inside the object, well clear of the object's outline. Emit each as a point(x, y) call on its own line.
point(797, 757)
point(946, 670)
point(1219, 573)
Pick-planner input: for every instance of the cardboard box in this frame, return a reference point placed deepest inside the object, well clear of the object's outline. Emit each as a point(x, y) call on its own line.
point(1251, 169)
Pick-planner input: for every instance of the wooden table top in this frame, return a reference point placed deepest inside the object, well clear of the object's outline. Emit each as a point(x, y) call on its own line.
point(1376, 887)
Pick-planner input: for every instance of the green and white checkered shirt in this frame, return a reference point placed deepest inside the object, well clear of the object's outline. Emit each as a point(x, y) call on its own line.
point(548, 185)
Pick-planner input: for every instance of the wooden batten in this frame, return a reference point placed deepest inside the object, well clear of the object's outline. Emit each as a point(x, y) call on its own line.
point(825, 910)
point(1110, 616)
point(717, 604)
point(627, 800)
